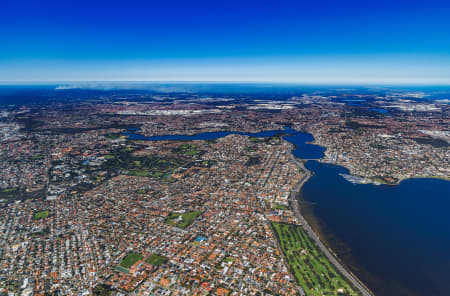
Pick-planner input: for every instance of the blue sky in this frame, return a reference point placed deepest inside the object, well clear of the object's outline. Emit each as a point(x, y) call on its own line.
point(310, 41)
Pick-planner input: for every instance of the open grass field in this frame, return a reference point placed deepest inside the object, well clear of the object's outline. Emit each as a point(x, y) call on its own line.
point(130, 259)
point(315, 274)
point(156, 260)
point(40, 215)
point(280, 207)
point(186, 219)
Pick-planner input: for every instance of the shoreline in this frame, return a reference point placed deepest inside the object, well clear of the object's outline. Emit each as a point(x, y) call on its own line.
point(368, 179)
point(321, 242)
point(331, 256)
point(378, 183)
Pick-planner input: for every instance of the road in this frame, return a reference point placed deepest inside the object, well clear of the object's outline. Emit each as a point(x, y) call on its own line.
point(295, 206)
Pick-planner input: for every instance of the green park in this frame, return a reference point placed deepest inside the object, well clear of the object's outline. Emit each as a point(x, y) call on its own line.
point(313, 271)
point(40, 215)
point(130, 259)
point(182, 220)
point(156, 260)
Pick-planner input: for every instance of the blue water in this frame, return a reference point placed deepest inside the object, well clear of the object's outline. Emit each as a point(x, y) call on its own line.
point(399, 234)
point(396, 238)
point(299, 139)
point(132, 135)
point(303, 149)
point(382, 111)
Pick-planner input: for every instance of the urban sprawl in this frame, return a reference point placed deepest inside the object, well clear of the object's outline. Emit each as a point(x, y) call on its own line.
point(87, 210)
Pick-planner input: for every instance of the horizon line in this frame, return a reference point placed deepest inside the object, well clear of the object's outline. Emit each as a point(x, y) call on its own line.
point(256, 82)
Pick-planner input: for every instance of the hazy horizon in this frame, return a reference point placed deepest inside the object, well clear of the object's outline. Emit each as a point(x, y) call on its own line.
point(136, 83)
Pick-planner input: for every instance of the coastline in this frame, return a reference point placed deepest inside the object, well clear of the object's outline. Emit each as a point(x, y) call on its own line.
point(379, 182)
point(321, 239)
point(368, 180)
point(331, 256)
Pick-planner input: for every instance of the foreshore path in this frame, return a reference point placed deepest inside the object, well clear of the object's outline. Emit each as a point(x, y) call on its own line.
point(295, 206)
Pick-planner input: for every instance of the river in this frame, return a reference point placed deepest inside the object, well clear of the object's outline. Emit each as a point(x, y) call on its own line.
point(396, 239)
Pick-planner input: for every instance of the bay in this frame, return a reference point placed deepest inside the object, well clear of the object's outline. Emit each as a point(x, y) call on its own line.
point(396, 239)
